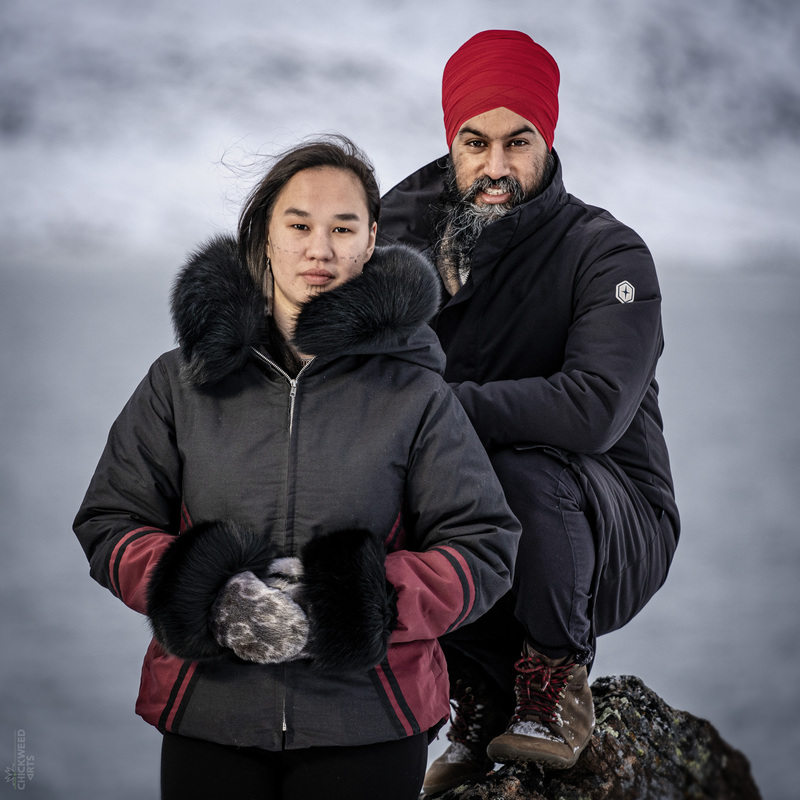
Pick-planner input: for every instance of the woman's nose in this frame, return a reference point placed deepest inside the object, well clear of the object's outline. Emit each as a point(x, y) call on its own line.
point(320, 246)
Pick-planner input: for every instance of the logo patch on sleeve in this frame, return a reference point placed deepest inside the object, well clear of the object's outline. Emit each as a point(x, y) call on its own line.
point(625, 292)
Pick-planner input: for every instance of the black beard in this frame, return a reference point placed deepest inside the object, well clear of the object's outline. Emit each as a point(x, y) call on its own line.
point(460, 221)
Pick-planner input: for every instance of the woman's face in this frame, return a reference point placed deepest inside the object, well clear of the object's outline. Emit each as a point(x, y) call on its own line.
point(319, 236)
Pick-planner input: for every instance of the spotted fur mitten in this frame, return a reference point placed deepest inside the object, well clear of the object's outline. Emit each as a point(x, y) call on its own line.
point(286, 574)
point(219, 588)
point(258, 621)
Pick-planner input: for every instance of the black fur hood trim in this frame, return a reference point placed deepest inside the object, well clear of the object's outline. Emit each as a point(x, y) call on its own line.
point(219, 313)
point(376, 312)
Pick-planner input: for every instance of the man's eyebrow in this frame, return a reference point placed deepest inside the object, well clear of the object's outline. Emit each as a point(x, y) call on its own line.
point(347, 216)
point(482, 135)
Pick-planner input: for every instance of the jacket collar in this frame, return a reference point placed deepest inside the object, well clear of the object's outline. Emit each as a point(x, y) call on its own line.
point(219, 313)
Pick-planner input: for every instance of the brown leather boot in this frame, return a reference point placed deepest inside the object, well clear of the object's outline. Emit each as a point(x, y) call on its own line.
point(480, 712)
point(554, 718)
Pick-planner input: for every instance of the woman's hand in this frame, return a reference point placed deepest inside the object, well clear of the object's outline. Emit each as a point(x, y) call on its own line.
point(261, 622)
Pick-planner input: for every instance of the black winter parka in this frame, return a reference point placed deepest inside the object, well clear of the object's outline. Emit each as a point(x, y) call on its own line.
point(367, 437)
point(554, 339)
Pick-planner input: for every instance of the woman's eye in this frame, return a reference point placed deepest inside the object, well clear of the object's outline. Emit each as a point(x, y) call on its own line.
point(300, 226)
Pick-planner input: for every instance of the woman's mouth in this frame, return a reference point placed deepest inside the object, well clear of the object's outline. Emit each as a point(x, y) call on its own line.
point(317, 277)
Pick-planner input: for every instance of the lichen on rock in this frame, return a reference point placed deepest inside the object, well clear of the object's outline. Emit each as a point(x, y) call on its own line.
point(641, 748)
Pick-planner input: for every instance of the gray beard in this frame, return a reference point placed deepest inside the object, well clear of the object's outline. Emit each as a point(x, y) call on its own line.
point(462, 221)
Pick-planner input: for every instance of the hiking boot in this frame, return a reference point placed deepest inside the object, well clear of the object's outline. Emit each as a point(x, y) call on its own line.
point(480, 713)
point(554, 718)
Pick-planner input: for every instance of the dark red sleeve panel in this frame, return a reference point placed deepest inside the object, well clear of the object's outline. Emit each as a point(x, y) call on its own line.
point(435, 592)
point(131, 562)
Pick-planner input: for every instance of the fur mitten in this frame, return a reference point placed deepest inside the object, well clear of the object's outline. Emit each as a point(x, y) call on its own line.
point(258, 622)
point(285, 574)
point(188, 578)
point(351, 607)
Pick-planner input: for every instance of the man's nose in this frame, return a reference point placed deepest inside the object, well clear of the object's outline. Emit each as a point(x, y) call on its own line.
point(496, 165)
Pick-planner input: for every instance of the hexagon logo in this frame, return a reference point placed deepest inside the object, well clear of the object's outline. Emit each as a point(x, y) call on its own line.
point(625, 292)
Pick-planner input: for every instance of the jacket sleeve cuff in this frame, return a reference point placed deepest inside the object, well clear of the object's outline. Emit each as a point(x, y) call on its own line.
point(351, 606)
point(187, 579)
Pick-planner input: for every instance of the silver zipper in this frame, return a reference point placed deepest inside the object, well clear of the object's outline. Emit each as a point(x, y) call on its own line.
point(292, 396)
point(292, 382)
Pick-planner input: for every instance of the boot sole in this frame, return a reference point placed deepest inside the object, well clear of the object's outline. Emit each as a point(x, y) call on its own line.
point(505, 753)
point(437, 788)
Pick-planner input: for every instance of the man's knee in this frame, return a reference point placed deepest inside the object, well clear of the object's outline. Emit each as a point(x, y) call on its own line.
point(534, 477)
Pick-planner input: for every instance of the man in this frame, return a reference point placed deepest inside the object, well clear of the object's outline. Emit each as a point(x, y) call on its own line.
point(552, 328)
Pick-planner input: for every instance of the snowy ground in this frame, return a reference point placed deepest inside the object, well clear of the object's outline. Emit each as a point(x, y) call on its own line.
point(115, 119)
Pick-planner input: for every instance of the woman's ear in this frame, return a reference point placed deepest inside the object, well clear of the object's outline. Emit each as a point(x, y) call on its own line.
point(267, 288)
point(371, 246)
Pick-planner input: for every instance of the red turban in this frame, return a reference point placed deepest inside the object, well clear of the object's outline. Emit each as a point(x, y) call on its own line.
point(501, 68)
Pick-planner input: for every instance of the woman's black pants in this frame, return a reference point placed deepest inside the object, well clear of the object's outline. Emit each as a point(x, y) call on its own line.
point(193, 769)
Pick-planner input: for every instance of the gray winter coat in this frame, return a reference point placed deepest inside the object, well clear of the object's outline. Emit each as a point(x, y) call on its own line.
point(368, 439)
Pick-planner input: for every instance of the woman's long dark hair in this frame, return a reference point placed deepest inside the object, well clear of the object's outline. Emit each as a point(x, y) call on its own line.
point(330, 151)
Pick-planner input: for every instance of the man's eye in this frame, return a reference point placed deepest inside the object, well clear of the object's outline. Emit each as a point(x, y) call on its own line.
point(476, 143)
point(340, 229)
point(518, 143)
point(300, 226)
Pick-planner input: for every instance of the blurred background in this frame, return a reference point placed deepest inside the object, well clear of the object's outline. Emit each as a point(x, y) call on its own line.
point(130, 130)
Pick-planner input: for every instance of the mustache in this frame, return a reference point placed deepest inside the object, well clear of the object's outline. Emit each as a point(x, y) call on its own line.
point(504, 184)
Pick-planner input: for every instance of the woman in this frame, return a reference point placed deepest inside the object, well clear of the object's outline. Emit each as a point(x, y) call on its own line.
point(298, 503)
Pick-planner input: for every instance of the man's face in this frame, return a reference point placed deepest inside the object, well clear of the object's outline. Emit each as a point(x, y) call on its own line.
point(493, 146)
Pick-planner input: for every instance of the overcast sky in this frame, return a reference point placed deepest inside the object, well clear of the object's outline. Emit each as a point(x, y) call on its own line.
point(128, 125)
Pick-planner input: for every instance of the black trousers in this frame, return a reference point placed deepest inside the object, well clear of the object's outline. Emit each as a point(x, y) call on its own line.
point(193, 769)
point(592, 554)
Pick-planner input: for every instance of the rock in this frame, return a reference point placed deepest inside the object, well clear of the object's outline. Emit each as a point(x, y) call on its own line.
point(641, 749)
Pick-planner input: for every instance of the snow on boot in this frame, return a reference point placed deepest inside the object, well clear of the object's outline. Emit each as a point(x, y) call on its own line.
point(481, 712)
point(554, 718)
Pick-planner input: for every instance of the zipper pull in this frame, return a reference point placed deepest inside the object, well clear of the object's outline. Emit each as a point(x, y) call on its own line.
point(293, 391)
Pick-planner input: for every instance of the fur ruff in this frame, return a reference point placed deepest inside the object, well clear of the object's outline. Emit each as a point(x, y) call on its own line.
point(351, 606)
point(397, 292)
point(219, 313)
point(189, 576)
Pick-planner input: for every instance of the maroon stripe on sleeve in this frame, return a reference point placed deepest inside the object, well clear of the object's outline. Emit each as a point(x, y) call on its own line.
point(467, 586)
point(186, 520)
point(118, 553)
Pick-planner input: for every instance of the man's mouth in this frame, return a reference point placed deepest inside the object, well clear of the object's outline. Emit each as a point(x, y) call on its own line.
point(493, 195)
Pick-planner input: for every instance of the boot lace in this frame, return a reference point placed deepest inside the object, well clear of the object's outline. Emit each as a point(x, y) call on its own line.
point(539, 688)
point(464, 715)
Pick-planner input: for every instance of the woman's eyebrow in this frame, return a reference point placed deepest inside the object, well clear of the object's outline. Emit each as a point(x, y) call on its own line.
point(347, 216)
